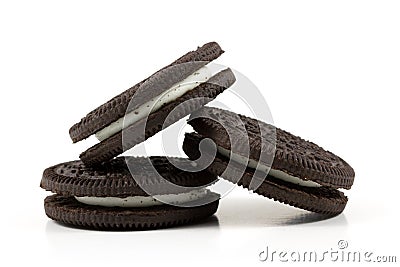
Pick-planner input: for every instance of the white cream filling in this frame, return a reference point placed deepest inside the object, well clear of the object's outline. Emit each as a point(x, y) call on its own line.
point(176, 91)
point(251, 163)
point(145, 201)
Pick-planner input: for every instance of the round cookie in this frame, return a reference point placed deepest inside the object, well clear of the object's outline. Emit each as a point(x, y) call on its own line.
point(109, 198)
point(300, 173)
point(184, 79)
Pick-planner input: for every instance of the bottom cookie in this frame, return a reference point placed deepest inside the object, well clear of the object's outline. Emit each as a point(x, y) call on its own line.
point(69, 211)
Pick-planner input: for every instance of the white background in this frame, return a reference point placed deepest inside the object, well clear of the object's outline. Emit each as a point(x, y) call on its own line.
point(329, 71)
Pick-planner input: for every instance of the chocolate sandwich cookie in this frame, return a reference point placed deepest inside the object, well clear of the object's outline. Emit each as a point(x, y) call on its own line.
point(301, 173)
point(156, 102)
point(110, 197)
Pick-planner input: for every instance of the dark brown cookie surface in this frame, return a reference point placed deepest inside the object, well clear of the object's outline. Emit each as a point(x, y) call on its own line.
point(325, 200)
point(69, 211)
point(292, 154)
point(159, 81)
point(165, 116)
point(115, 178)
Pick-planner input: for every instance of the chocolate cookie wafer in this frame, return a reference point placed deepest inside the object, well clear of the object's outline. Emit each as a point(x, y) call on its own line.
point(111, 196)
point(183, 86)
point(301, 173)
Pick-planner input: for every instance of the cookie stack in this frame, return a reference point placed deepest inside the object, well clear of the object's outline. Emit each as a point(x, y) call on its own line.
point(105, 191)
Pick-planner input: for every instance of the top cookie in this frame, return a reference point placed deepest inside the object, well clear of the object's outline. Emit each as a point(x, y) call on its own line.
point(292, 154)
point(162, 79)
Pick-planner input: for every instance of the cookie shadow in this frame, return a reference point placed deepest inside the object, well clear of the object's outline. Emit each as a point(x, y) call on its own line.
point(257, 211)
